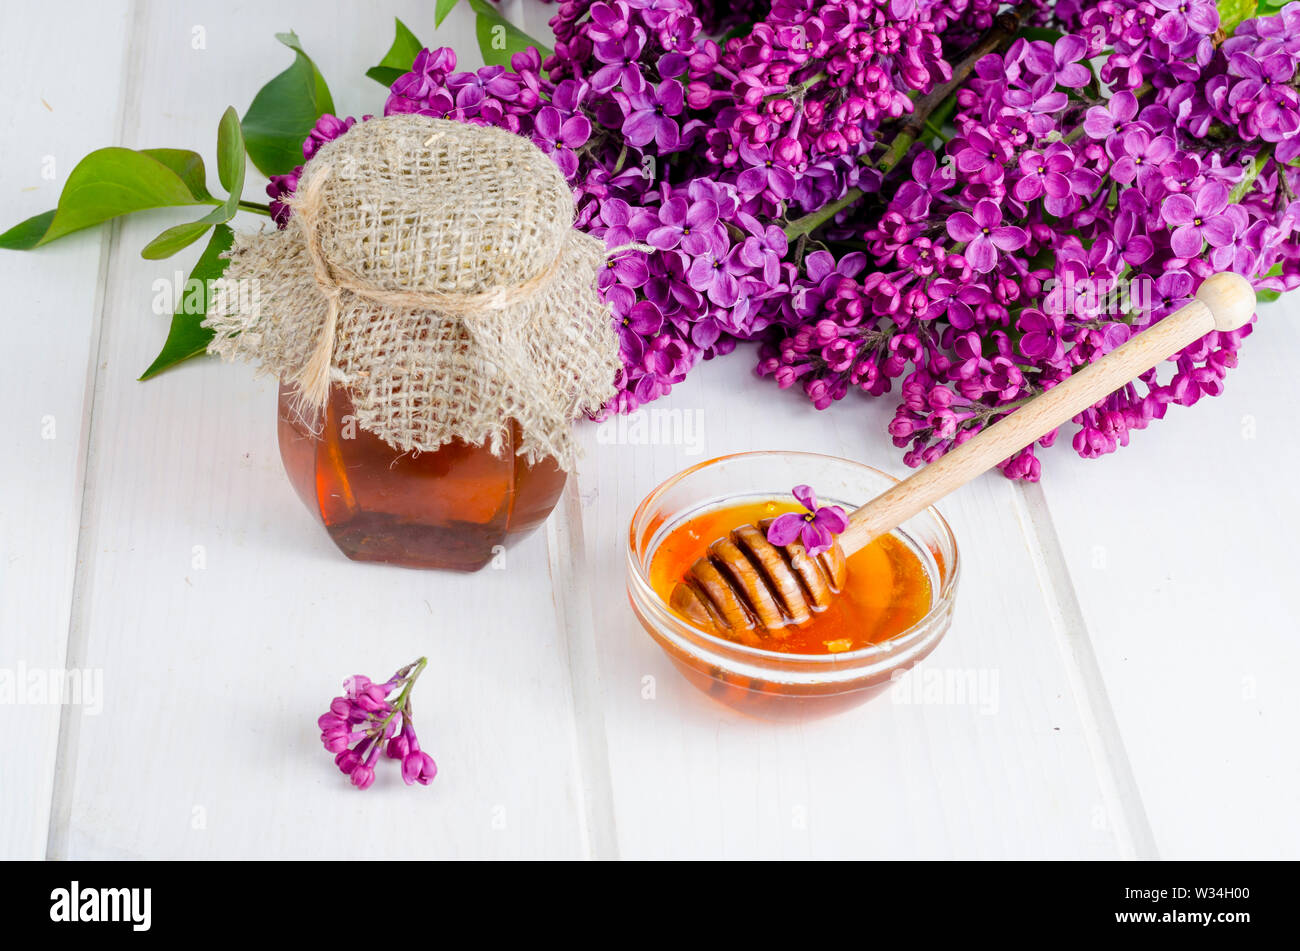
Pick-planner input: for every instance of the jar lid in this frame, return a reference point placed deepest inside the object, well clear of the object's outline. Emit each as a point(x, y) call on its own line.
point(420, 204)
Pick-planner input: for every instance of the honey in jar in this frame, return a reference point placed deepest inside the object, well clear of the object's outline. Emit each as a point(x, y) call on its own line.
point(452, 508)
point(887, 588)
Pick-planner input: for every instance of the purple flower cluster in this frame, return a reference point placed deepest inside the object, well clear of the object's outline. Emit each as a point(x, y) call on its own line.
point(1068, 204)
point(1065, 214)
point(368, 718)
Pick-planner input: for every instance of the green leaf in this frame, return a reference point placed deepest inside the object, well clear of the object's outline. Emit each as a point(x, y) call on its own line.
point(113, 182)
point(444, 7)
point(107, 184)
point(400, 56)
point(284, 111)
point(1040, 33)
point(232, 157)
point(186, 338)
point(232, 163)
point(384, 75)
point(188, 167)
point(179, 237)
point(27, 234)
point(1232, 13)
point(498, 39)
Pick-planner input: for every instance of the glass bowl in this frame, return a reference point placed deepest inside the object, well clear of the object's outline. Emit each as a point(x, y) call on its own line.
point(766, 683)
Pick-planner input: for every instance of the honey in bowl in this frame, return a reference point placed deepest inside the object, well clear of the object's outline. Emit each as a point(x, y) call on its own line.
point(886, 592)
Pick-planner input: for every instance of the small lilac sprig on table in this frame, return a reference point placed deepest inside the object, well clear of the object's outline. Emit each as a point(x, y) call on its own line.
point(816, 528)
point(368, 718)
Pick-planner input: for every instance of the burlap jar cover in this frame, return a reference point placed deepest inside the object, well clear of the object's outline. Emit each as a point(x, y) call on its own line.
point(431, 268)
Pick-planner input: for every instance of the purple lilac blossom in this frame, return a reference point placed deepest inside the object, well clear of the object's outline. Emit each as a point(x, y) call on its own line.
point(1082, 189)
point(371, 717)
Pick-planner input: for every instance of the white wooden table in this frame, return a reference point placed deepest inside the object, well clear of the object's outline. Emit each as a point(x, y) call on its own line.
point(1134, 619)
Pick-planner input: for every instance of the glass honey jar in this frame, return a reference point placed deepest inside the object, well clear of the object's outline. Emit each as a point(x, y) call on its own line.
point(456, 508)
point(433, 317)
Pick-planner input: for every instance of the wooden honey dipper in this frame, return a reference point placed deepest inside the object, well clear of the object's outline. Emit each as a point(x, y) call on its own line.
point(746, 583)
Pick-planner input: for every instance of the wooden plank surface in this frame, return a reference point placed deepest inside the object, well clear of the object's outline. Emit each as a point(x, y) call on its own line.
point(1130, 619)
point(1182, 550)
point(52, 299)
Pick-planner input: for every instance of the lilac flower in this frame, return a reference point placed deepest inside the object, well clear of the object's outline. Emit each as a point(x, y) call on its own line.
point(620, 59)
point(1244, 254)
point(713, 273)
point(1199, 220)
point(643, 320)
point(419, 768)
point(279, 187)
point(1172, 290)
point(763, 251)
point(621, 226)
point(1040, 339)
point(956, 301)
point(1258, 73)
point(692, 225)
point(666, 359)
point(327, 129)
point(765, 173)
point(1039, 102)
point(1134, 247)
point(1044, 174)
point(1262, 103)
point(1137, 151)
point(816, 528)
point(1103, 121)
point(427, 75)
point(610, 21)
point(1184, 16)
point(985, 235)
point(982, 156)
point(368, 715)
point(417, 765)
point(471, 89)
point(560, 137)
point(626, 267)
point(1061, 61)
point(363, 775)
point(649, 115)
